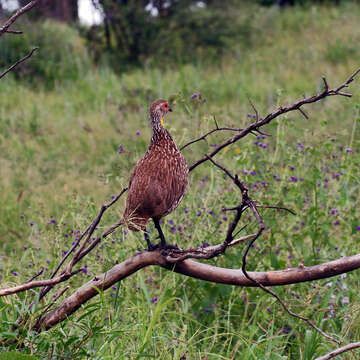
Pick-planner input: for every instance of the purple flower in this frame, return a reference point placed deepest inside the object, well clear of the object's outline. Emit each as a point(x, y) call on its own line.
point(138, 132)
point(253, 173)
point(333, 212)
point(293, 178)
point(249, 115)
point(300, 145)
point(15, 273)
point(52, 221)
point(186, 211)
point(194, 95)
point(48, 261)
point(276, 177)
point(199, 213)
point(22, 216)
point(213, 145)
point(84, 270)
point(292, 168)
point(121, 149)
point(171, 222)
point(348, 150)
point(155, 299)
point(358, 228)
point(245, 172)
point(207, 310)
point(336, 223)
point(31, 223)
point(205, 244)
point(113, 287)
point(335, 175)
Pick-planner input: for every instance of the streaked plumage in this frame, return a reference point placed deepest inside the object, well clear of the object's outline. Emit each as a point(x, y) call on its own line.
point(159, 179)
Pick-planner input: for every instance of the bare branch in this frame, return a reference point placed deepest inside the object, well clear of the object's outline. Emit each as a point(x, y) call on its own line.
point(78, 255)
point(36, 275)
point(17, 32)
point(280, 111)
point(37, 283)
point(339, 351)
point(18, 62)
point(248, 202)
point(209, 133)
point(197, 270)
point(18, 13)
point(304, 113)
point(326, 85)
point(276, 208)
point(254, 108)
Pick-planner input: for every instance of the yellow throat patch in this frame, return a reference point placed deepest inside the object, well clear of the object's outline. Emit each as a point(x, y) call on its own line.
point(162, 122)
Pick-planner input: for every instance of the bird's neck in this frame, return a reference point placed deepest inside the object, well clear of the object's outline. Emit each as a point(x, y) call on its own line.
point(158, 131)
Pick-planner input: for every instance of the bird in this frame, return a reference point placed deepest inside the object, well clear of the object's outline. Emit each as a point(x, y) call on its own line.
point(159, 180)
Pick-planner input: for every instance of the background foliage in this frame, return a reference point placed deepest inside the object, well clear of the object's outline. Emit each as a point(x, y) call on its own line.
point(68, 146)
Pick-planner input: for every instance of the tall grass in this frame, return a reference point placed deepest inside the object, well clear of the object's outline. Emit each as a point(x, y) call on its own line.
point(59, 161)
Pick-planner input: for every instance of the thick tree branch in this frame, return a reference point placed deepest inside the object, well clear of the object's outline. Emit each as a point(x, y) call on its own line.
point(196, 270)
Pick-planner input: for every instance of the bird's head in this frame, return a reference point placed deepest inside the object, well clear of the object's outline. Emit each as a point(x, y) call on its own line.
point(158, 110)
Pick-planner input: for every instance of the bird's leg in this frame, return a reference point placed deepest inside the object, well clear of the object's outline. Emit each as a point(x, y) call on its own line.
point(151, 247)
point(163, 243)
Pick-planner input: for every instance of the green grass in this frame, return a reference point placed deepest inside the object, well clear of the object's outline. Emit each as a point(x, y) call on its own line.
point(59, 160)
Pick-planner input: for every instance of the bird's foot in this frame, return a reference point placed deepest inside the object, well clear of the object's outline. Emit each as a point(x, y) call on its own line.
point(166, 246)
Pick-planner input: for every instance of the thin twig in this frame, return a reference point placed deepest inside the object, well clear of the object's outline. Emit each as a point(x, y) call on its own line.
point(61, 293)
point(209, 133)
point(18, 13)
point(18, 62)
point(17, 32)
point(276, 208)
point(254, 108)
point(35, 276)
point(304, 113)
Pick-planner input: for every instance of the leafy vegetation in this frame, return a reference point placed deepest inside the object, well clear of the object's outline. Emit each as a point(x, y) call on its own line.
point(65, 151)
point(62, 57)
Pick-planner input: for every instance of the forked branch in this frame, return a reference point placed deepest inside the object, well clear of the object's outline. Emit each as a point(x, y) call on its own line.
point(12, 19)
point(254, 127)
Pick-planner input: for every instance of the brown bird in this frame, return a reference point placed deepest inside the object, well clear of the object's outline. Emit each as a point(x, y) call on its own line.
point(159, 179)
